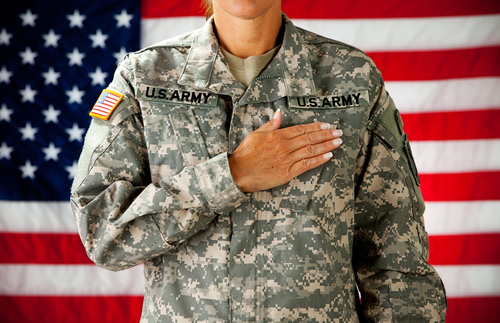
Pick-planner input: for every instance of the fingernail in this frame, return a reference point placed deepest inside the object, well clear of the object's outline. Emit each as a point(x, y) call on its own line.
point(337, 133)
point(337, 142)
point(276, 113)
point(328, 155)
point(325, 126)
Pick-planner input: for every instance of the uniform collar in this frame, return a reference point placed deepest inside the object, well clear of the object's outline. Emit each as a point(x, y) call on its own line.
point(289, 74)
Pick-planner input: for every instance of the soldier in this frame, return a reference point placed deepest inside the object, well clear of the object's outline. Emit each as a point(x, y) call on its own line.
point(215, 159)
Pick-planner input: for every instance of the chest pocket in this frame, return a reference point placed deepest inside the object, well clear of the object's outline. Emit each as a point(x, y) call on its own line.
point(299, 190)
point(323, 193)
point(189, 139)
point(178, 125)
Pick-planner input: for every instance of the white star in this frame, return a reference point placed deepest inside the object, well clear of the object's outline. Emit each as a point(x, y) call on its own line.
point(123, 19)
point(75, 57)
point(98, 39)
point(28, 170)
point(76, 19)
point(98, 77)
point(75, 133)
point(72, 169)
point(51, 152)
point(51, 76)
point(5, 37)
point(75, 95)
point(28, 132)
point(5, 151)
point(5, 75)
point(28, 18)
point(5, 113)
point(51, 114)
point(120, 55)
point(28, 94)
point(51, 38)
point(28, 56)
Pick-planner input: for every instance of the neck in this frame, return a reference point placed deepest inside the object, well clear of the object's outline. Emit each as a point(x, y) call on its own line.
point(245, 37)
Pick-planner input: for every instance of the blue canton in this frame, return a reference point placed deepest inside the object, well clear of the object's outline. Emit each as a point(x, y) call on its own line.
point(55, 59)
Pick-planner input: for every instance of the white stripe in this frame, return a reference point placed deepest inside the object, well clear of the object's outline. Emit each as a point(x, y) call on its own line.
point(459, 281)
point(82, 280)
point(112, 96)
point(451, 218)
point(456, 156)
point(440, 217)
point(410, 33)
point(448, 95)
point(32, 216)
point(110, 99)
point(154, 30)
point(367, 34)
point(470, 281)
point(103, 107)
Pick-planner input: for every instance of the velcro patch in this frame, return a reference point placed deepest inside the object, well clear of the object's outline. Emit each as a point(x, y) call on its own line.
point(335, 101)
point(106, 104)
point(176, 96)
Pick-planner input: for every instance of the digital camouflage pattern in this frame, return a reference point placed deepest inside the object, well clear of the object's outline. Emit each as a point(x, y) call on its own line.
point(156, 188)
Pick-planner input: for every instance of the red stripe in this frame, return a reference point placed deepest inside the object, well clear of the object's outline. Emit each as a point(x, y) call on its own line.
point(107, 106)
point(471, 249)
point(438, 65)
point(387, 8)
point(42, 248)
point(125, 309)
point(460, 187)
point(101, 108)
point(112, 100)
point(24, 248)
point(162, 8)
point(111, 95)
point(460, 125)
point(339, 9)
point(473, 309)
point(95, 111)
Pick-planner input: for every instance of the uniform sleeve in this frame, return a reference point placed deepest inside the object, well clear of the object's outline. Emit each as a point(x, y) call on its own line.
point(390, 245)
point(122, 217)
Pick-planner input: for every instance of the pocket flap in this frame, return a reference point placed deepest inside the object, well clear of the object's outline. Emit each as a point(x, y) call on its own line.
point(189, 138)
point(299, 190)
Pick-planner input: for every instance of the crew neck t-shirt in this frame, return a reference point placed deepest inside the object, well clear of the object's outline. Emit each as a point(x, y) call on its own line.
point(245, 70)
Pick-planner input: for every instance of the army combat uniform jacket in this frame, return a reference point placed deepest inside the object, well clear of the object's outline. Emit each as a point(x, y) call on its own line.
point(154, 187)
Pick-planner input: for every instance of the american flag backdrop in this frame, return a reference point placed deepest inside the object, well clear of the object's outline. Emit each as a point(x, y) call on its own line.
point(441, 64)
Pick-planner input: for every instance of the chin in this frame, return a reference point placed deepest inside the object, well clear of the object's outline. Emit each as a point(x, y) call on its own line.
point(247, 9)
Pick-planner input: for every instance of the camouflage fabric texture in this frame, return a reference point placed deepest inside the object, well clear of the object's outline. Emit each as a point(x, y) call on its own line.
point(157, 190)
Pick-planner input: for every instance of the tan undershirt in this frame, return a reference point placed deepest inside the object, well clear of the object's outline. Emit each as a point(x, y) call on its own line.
point(245, 70)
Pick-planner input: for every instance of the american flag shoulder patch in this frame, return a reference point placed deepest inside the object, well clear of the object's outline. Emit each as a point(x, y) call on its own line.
point(106, 104)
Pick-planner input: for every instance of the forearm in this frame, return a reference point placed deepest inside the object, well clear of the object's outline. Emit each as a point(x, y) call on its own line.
point(125, 219)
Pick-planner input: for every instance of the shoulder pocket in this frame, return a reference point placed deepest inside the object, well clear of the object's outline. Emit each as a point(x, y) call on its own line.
point(389, 129)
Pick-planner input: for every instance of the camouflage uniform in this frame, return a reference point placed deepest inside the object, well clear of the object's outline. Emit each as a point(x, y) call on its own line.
point(157, 189)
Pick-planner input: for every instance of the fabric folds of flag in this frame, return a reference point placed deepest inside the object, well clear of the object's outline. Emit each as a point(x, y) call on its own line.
point(441, 64)
point(55, 59)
